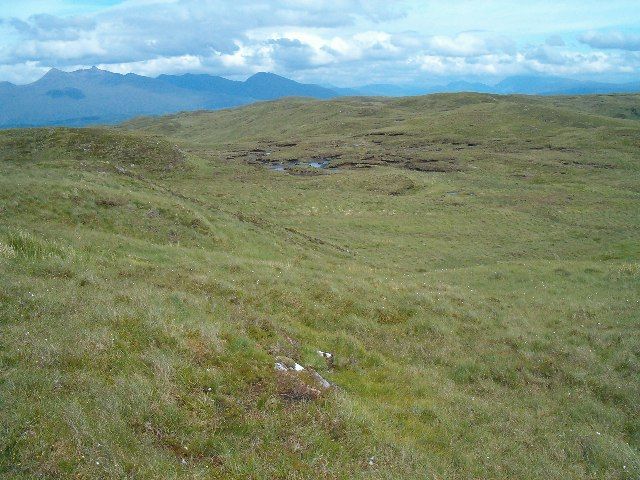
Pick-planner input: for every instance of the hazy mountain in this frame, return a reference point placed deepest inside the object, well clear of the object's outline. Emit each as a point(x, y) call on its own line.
point(97, 96)
point(522, 84)
point(268, 86)
point(204, 83)
point(6, 87)
point(533, 84)
point(345, 92)
point(537, 85)
point(388, 90)
point(462, 86)
point(261, 86)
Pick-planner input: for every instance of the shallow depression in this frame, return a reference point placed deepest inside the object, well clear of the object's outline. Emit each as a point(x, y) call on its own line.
point(283, 166)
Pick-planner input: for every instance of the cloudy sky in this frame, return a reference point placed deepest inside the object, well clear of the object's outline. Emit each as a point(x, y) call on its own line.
point(339, 42)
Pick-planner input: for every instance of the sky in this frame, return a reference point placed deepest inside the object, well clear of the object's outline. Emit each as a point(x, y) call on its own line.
point(338, 42)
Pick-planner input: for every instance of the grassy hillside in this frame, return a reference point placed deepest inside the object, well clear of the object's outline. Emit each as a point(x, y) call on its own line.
point(473, 264)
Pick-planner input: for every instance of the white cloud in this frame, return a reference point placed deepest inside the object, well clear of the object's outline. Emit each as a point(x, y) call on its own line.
point(20, 72)
point(461, 46)
point(612, 40)
point(350, 41)
point(539, 61)
point(152, 67)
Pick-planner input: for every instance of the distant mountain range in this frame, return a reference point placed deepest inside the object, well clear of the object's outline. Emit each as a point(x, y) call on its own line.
point(93, 96)
point(524, 85)
point(97, 96)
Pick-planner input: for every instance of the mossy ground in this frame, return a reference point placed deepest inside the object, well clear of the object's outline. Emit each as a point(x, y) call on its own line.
point(484, 318)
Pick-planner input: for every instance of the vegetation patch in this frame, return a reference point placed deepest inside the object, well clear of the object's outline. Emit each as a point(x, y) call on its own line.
point(390, 184)
point(483, 320)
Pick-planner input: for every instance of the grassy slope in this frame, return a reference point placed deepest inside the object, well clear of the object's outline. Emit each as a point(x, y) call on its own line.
point(484, 319)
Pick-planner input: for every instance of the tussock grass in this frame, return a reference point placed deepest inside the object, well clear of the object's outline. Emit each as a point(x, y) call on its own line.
point(483, 319)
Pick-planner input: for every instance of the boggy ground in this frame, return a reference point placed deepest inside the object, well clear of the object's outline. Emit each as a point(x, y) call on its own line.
point(472, 262)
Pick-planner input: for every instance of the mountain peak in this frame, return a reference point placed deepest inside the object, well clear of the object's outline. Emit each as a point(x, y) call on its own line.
point(57, 74)
point(95, 71)
point(262, 76)
point(54, 73)
point(269, 86)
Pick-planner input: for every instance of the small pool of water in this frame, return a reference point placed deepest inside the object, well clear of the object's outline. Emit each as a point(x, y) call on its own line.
point(283, 166)
point(320, 164)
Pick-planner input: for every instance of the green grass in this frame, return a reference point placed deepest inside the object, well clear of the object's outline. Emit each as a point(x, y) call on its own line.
point(474, 266)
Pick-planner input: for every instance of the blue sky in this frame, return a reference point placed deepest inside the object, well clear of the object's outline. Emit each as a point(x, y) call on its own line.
point(340, 42)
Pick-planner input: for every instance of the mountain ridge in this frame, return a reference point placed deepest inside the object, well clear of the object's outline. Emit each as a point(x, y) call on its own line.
point(98, 96)
point(92, 95)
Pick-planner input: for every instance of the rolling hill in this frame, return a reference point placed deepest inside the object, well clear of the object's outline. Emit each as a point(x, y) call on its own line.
point(471, 262)
point(94, 96)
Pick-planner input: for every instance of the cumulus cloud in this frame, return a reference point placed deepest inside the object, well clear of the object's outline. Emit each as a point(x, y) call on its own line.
point(541, 59)
point(292, 54)
point(136, 32)
point(469, 45)
point(180, 64)
point(343, 41)
point(574, 63)
point(612, 40)
point(49, 27)
point(17, 72)
point(546, 55)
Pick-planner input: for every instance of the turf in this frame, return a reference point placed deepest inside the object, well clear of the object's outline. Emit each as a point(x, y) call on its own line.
point(472, 262)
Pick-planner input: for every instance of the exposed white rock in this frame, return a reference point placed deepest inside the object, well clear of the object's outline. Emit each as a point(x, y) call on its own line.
point(282, 367)
point(320, 379)
point(328, 357)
